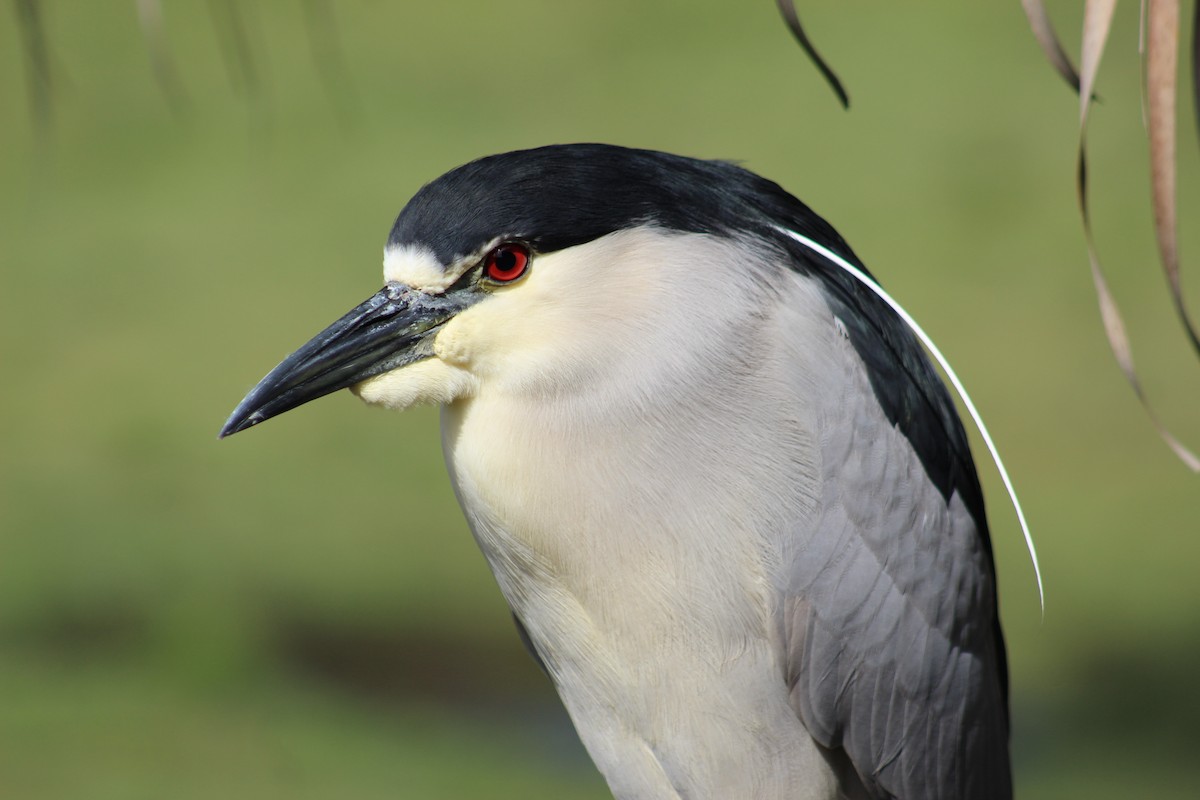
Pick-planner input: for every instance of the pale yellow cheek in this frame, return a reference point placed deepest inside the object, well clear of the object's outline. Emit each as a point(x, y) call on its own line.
point(428, 381)
point(502, 331)
point(453, 342)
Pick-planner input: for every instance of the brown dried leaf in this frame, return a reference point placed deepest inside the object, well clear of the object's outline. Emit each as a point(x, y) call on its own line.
point(1162, 57)
point(1043, 31)
point(1118, 339)
point(1097, 22)
point(788, 9)
point(1196, 63)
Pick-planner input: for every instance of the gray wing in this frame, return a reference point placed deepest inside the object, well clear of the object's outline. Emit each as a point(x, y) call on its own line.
point(893, 650)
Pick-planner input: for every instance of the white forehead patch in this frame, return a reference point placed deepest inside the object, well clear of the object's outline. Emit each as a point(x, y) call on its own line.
point(418, 267)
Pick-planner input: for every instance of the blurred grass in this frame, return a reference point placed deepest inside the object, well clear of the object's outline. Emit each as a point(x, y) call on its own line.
point(300, 610)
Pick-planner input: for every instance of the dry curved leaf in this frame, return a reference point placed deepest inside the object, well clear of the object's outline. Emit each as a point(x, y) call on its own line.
point(1196, 63)
point(1097, 22)
point(1162, 58)
point(1043, 31)
point(788, 9)
point(1118, 339)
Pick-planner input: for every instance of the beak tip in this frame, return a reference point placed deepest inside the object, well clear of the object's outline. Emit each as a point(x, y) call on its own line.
point(238, 423)
point(388, 330)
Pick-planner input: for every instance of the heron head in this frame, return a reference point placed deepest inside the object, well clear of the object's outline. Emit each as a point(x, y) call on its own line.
point(539, 271)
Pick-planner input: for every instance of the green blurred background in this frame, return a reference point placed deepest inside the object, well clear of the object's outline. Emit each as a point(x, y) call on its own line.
point(300, 611)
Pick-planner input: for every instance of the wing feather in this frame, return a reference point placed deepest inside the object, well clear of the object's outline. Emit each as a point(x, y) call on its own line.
point(892, 643)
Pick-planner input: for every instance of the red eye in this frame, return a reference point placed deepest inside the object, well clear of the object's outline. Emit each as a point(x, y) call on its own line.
point(506, 263)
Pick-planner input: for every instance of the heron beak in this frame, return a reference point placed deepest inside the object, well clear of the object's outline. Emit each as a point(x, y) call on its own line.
point(392, 328)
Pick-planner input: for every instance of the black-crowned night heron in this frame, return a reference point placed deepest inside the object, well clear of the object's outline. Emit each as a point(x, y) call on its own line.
point(723, 490)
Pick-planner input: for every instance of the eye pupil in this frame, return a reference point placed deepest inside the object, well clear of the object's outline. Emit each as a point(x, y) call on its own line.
point(506, 263)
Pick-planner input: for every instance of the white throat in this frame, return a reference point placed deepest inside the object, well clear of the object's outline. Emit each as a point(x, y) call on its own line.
point(598, 542)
